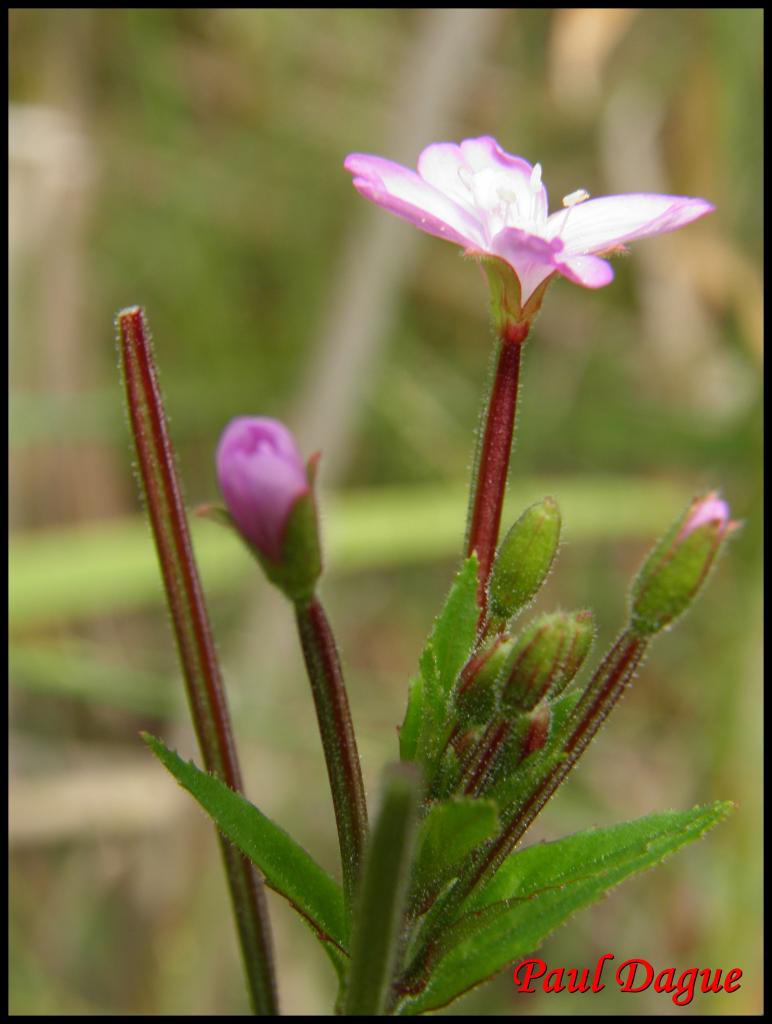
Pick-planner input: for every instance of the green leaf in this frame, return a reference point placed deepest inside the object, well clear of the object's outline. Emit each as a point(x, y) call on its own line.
point(445, 654)
point(379, 920)
point(455, 630)
point(449, 833)
point(286, 866)
point(408, 734)
point(539, 888)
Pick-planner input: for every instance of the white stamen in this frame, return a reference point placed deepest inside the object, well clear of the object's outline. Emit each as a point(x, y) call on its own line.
point(578, 196)
point(536, 178)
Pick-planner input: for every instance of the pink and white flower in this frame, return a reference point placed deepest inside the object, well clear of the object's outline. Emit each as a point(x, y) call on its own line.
point(477, 196)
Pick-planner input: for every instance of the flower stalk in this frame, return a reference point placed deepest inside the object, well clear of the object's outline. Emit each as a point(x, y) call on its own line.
point(338, 739)
point(491, 464)
point(195, 643)
point(271, 503)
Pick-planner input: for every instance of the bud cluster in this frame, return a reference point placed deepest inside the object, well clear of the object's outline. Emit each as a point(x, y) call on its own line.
point(502, 703)
point(500, 711)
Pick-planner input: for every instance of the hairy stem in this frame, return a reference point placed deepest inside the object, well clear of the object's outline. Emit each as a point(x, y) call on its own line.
point(206, 696)
point(338, 739)
point(494, 446)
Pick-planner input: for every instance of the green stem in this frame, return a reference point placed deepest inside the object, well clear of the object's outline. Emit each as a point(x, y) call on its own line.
point(382, 901)
point(195, 644)
point(338, 739)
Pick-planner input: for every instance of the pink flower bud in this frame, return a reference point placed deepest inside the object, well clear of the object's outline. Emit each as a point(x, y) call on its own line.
point(261, 476)
point(710, 509)
point(676, 569)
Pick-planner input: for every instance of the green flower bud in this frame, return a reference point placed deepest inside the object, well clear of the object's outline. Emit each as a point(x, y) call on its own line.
point(524, 559)
point(477, 692)
point(539, 722)
point(546, 657)
point(581, 637)
point(676, 568)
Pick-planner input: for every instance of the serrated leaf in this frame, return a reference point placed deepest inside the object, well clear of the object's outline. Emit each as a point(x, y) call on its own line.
point(449, 832)
point(539, 888)
point(443, 657)
point(287, 868)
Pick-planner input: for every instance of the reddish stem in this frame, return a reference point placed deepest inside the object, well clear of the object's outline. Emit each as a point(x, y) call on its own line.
point(492, 463)
point(195, 643)
point(338, 739)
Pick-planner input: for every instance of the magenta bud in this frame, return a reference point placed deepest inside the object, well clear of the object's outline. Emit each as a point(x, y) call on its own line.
point(269, 497)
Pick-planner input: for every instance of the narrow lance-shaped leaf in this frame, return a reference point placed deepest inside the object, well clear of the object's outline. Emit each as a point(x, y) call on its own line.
point(448, 834)
point(380, 911)
point(445, 654)
point(539, 888)
point(287, 867)
point(411, 726)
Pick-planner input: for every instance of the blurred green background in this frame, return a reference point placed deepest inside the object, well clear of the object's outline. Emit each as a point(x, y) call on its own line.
point(191, 161)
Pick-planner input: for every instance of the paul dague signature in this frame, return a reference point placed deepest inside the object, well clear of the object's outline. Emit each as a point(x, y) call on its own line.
point(634, 975)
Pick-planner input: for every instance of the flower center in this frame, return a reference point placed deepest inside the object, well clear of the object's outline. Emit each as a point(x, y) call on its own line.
point(504, 199)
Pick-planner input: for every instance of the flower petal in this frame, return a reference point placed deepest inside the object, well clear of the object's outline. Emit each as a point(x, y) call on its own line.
point(532, 258)
point(439, 165)
point(403, 192)
point(588, 271)
point(599, 224)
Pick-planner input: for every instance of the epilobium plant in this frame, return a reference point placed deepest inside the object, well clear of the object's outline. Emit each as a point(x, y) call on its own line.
point(435, 898)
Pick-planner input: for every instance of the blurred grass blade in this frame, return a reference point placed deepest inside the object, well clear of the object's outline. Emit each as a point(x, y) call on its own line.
point(74, 571)
point(195, 644)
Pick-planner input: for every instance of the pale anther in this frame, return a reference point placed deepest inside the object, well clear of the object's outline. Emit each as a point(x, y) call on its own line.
point(578, 196)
